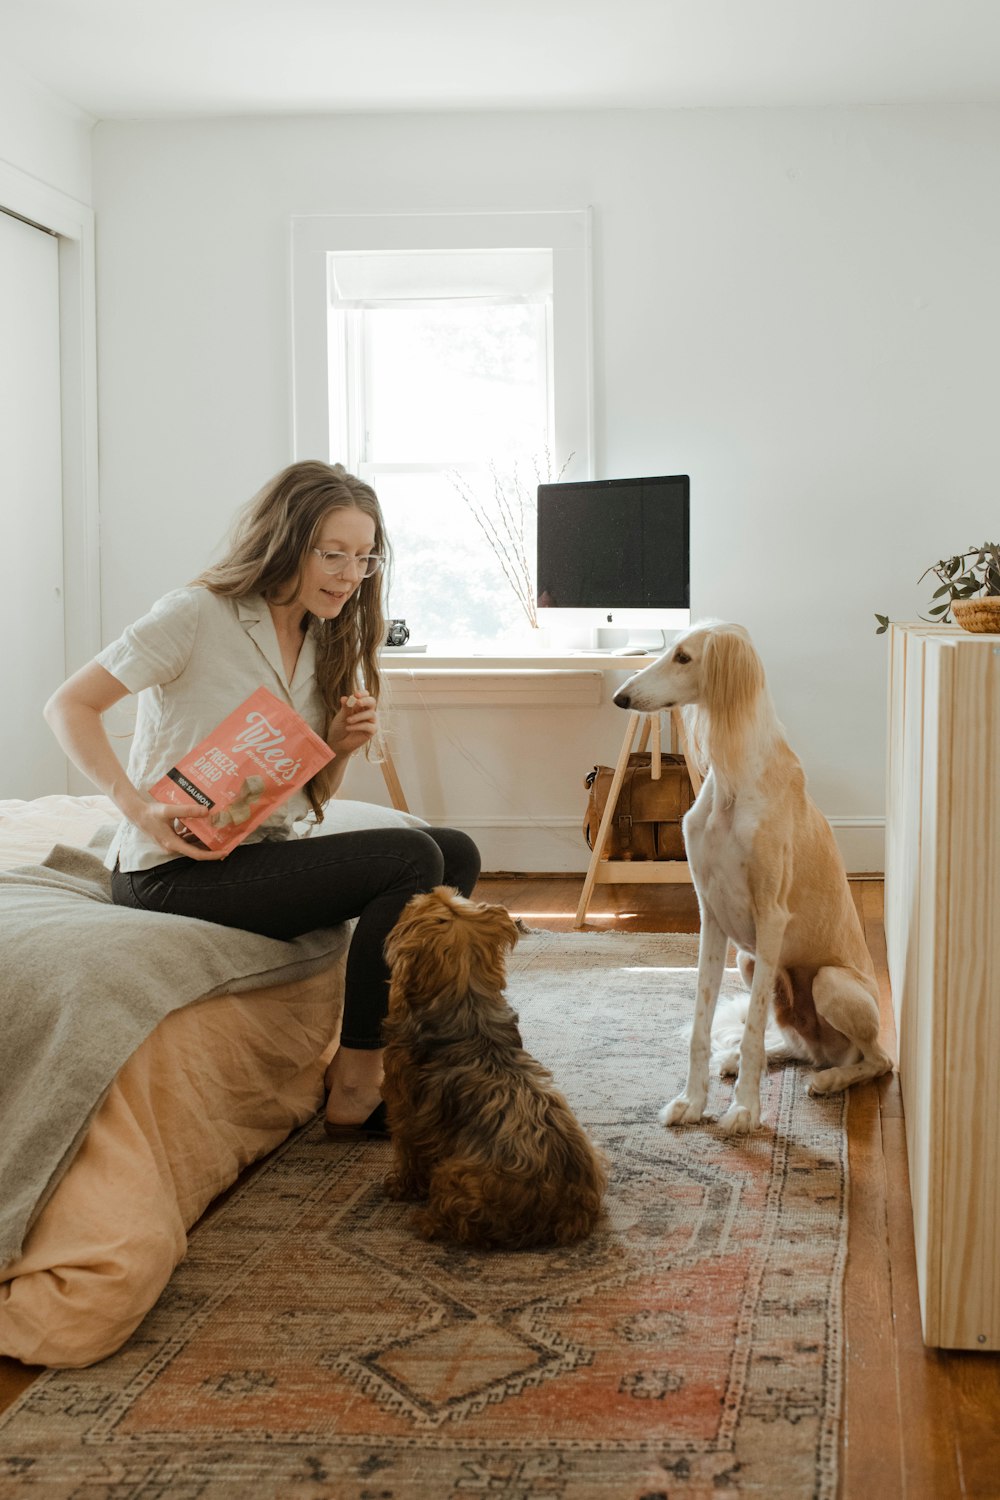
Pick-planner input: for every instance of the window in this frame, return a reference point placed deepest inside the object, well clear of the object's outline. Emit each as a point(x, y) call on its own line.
point(440, 377)
point(448, 384)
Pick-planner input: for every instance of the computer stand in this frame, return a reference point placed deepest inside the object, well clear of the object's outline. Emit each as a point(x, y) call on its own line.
point(637, 642)
point(628, 871)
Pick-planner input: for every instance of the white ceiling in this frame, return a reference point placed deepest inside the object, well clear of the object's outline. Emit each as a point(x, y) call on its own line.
point(138, 59)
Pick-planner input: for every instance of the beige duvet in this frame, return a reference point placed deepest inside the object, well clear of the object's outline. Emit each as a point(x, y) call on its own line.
point(218, 1084)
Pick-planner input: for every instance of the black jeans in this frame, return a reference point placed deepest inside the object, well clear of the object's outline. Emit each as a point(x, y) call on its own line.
point(284, 889)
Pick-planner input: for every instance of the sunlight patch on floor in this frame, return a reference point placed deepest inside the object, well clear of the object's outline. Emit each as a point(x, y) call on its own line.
point(567, 916)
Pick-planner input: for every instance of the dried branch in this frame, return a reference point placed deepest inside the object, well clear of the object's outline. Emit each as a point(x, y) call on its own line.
point(504, 520)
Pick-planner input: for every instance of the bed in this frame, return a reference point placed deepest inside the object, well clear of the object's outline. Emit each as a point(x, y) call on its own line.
point(214, 1085)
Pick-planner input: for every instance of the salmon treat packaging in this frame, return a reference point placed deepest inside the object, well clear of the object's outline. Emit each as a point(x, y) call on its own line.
point(246, 768)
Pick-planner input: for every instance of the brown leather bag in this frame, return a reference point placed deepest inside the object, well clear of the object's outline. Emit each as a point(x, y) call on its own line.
point(647, 820)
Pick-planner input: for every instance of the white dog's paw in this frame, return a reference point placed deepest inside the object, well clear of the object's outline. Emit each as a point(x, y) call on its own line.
point(682, 1111)
point(727, 1063)
point(829, 1081)
point(739, 1120)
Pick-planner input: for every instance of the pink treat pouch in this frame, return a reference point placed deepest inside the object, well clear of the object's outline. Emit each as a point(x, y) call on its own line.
point(249, 765)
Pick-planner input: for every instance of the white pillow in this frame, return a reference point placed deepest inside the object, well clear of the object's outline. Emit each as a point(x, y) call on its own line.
point(349, 817)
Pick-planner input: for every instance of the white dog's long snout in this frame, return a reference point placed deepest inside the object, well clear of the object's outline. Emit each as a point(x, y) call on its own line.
point(643, 693)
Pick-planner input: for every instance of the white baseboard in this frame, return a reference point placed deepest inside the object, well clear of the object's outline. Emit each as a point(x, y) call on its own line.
point(861, 842)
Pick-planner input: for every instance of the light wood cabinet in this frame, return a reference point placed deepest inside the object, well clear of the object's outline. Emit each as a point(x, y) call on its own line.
point(942, 920)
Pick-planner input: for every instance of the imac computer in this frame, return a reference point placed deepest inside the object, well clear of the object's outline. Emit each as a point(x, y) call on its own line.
point(614, 560)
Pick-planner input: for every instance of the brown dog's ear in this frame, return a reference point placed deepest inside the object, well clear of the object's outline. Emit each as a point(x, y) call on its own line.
point(410, 918)
point(499, 924)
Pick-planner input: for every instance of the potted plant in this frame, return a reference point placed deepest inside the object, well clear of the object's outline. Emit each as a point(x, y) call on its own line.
point(969, 590)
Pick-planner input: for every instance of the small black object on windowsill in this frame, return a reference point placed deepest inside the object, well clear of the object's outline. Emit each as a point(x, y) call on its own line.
point(398, 634)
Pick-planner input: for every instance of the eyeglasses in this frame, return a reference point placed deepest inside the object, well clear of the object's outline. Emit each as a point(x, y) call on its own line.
point(339, 562)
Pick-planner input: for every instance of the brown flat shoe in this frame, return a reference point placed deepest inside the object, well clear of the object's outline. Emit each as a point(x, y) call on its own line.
point(375, 1128)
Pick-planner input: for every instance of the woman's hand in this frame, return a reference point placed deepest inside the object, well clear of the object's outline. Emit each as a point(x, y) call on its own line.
point(353, 725)
point(161, 822)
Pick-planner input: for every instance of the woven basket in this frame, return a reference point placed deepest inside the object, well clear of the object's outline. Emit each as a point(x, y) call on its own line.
point(981, 615)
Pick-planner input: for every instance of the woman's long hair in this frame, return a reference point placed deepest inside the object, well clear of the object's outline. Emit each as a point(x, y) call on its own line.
point(266, 556)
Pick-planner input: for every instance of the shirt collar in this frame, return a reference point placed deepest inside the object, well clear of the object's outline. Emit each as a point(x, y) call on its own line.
point(255, 617)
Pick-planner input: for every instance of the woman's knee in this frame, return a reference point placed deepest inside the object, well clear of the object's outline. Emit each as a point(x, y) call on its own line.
point(462, 860)
point(424, 858)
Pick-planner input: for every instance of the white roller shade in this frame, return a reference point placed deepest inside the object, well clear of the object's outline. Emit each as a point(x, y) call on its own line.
point(393, 277)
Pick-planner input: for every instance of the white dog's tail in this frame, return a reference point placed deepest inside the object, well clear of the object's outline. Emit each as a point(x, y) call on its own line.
point(727, 1033)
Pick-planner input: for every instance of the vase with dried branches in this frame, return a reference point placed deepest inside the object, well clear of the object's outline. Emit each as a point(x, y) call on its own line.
point(505, 510)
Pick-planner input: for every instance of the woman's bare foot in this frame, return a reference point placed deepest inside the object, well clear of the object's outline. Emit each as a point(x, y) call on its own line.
point(354, 1081)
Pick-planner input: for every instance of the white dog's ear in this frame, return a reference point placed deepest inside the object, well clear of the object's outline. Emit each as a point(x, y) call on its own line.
point(732, 679)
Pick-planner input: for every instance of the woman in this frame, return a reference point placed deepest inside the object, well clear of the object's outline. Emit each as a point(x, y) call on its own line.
point(295, 606)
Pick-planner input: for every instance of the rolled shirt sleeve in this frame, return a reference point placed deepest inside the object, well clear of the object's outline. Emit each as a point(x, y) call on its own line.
point(157, 648)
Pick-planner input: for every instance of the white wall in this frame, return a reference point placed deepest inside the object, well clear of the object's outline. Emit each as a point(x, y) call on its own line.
point(43, 135)
point(799, 308)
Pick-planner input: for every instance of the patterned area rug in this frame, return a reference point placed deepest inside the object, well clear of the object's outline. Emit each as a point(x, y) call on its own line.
point(311, 1347)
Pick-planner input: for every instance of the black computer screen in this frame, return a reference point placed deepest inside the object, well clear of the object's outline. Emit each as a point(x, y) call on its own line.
point(614, 543)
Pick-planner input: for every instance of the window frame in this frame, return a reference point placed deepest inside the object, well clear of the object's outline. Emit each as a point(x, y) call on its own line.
point(567, 233)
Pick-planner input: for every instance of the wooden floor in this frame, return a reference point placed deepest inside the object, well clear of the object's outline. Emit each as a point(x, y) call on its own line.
point(919, 1424)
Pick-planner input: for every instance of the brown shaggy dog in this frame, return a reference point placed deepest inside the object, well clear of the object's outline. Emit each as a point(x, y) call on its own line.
point(478, 1131)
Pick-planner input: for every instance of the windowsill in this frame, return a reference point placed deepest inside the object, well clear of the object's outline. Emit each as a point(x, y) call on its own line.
point(500, 676)
point(498, 656)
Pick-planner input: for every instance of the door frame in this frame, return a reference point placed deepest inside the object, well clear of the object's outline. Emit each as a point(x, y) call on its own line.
point(73, 224)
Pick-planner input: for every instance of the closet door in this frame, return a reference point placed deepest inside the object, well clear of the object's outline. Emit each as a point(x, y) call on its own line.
point(31, 534)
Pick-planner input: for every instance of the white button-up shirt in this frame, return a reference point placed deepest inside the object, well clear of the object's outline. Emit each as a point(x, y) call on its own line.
point(194, 658)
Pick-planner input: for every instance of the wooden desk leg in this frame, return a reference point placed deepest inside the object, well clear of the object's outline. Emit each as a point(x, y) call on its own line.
point(609, 812)
point(392, 782)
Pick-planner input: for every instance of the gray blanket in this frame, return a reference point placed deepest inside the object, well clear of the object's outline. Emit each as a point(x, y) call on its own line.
point(82, 983)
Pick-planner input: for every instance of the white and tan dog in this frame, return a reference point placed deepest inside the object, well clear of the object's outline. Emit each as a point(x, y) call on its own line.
point(768, 876)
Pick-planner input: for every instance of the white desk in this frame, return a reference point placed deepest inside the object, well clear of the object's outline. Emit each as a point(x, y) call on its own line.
point(434, 668)
point(393, 659)
point(419, 665)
